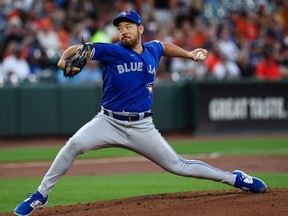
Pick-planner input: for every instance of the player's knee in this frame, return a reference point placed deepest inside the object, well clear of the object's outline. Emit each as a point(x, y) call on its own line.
point(179, 167)
point(74, 146)
point(172, 166)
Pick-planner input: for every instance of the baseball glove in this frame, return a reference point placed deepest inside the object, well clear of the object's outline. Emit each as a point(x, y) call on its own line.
point(79, 60)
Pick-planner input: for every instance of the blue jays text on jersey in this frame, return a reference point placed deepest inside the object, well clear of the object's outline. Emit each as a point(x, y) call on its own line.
point(128, 77)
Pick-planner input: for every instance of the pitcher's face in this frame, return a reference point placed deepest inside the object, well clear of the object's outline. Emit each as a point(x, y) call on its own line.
point(129, 34)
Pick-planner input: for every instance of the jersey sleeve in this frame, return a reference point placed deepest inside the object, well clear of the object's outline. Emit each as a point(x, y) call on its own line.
point(157, 48)
point(105, 52)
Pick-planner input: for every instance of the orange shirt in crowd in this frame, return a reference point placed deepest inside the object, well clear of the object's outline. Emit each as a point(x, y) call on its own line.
point(211, 61)
point(268, 69)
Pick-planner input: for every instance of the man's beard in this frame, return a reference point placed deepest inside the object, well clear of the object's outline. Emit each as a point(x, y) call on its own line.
point(132, 42)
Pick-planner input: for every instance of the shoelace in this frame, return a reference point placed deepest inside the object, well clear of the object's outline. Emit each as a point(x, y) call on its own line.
point(29, 195)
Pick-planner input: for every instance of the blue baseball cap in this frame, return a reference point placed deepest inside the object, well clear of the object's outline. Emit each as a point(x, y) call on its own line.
point(130, 15)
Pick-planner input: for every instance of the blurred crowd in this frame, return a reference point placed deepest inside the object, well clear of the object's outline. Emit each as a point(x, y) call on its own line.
point(246, 39)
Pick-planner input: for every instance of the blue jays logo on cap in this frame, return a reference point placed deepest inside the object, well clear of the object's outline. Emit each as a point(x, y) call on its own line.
point(128, 15)
point(125, 13)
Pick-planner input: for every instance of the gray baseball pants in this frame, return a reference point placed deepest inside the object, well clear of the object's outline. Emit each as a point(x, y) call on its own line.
point(139, 136)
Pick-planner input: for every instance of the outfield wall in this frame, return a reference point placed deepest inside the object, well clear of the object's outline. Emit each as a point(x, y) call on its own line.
point(240, 107)
point(195, 107)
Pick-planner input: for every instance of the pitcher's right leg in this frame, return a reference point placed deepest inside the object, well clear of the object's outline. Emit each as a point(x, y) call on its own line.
point(100, 132)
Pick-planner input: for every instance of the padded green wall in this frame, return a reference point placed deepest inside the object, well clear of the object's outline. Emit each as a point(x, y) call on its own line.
point(38, 110)
point(61, 110)
point(9, 111)
point(77, 105)
point(55, 110)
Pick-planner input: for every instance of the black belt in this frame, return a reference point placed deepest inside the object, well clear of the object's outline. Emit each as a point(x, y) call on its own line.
point(130, 118)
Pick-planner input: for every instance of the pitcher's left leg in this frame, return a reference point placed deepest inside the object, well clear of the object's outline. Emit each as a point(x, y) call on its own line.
point(148, 142)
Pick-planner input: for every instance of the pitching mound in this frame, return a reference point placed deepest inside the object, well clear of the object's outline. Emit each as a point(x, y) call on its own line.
point(207, 203)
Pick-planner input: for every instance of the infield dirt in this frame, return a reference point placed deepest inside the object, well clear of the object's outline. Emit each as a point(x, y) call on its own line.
point(206, 203)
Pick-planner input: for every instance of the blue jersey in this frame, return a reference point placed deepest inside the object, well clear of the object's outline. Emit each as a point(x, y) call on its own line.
point(128, 77)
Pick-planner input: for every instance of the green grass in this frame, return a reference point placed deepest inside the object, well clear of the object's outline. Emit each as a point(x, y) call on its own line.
point(84, 189)
point(48, 153)
point(71, 190)
point(227, 146)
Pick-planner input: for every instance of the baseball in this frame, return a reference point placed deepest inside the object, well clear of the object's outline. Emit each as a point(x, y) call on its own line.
point(200, 56)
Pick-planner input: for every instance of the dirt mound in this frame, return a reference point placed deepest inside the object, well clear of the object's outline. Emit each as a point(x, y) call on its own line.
point(204, 203)
point(247, 163)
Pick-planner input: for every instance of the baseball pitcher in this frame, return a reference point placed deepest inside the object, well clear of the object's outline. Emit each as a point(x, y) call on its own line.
point(125, 119)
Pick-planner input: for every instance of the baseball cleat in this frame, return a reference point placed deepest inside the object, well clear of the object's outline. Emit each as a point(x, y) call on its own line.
point(36, 200)
point(249, 183)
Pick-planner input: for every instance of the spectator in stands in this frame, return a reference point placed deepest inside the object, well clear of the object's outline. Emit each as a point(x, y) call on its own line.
point(227, 45)
point(283, 60)
point(63, 35)
point(91, 73)
point(48, 38)
point(247, 69)
point(268, 68)
point(245, 27)
point(183, 69)
point(66, 81)
point(37, 55)
point(13, 29)
point(220, 67)
point(15, 66)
